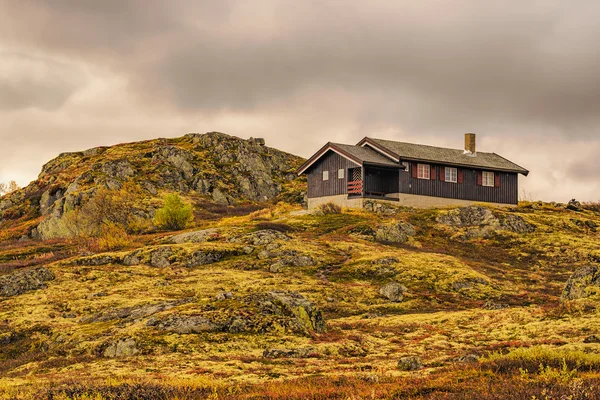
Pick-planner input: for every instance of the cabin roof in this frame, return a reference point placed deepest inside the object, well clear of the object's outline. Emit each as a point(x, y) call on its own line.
point(420, 152)
point(357, 154)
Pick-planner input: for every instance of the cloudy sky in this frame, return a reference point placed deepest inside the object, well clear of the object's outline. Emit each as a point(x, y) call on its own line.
point(523, 75)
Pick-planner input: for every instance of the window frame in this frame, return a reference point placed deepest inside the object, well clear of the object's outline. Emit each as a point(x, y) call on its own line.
point(341, 173)
point(488, 179)
point(449, 173)
point(325, 175)
point(421, 169)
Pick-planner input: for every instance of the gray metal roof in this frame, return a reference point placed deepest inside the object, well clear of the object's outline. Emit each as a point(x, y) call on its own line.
point(422, 152)
point(366, 155)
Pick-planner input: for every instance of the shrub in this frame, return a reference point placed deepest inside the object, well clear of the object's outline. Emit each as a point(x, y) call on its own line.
point(113, 237)
point(174, 215)
point(330, 208)
point(591, 206)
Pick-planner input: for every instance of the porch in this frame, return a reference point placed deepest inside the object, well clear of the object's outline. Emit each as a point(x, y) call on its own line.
point(372, 182)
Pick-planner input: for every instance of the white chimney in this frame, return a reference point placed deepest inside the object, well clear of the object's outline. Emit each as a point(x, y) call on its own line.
point(470, 147)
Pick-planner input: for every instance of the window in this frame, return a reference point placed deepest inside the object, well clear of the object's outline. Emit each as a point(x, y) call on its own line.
point(451, 175)
point(488, 179)
point(423, 171)
point(340, 174)
point(406, 166)
point(325, 175)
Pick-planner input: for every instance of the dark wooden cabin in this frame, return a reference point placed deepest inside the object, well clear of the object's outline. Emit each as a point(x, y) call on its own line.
point(412, 174)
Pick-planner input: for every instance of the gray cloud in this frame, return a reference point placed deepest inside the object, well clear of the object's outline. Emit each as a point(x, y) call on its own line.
point(512, 71)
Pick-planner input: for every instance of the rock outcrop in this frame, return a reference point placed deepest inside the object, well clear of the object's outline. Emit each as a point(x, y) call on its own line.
point(481, 222)
point(254, 313)
point(582, 283)
point(22, 281)
point(223, 168)
point(397, 232)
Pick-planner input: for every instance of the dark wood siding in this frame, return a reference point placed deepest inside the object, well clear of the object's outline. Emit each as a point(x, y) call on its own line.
point(381, 180)
point(507, 193)
point(331, 162)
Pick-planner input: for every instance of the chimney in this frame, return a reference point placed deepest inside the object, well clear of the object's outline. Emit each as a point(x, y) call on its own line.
point(470, 144)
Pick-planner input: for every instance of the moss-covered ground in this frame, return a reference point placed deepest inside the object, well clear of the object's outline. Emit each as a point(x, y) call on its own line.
point(496, 297)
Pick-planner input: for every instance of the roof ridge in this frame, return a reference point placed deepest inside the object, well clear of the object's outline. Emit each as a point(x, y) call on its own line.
point(428, 145)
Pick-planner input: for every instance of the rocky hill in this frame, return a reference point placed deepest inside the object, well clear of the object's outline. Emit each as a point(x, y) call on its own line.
point(213, 168)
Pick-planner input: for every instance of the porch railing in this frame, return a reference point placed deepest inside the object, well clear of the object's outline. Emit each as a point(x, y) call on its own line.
point(355, 187)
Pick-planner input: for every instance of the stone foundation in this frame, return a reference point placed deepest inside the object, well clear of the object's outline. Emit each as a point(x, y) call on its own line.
point(405, 200)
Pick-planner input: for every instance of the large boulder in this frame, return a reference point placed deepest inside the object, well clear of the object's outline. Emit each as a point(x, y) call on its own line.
point(253, 313)
point(397, 232)
point(22, 281)
point(582, 283)
point(481, 222)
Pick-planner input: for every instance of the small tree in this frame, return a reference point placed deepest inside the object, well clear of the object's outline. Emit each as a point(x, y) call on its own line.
point(11, 187)
point(174, 214)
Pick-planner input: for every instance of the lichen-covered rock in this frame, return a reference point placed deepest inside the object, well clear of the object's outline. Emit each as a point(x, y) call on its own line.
point(22, 281)
point(160, 257)
point(262, 237)
point(121, 348)
point(481, 222)
point(398, 232)
point(393, 291)
point(200, 236)
point(184, 324)
point(582, 283)
point(133, 313)
point(410, 363)
point(253, 313)
point(288, 353)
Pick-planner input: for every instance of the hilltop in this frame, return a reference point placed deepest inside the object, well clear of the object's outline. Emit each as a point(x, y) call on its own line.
point(212, 169)
point(260, 299)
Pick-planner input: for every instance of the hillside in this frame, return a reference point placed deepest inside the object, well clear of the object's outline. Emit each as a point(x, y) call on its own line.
point(212, 169)
point(258, 298)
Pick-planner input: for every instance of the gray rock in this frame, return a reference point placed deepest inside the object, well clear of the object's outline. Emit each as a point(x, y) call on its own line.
point(224, 296)
point(410, 363)
point(121, 348)
point(304, 310)
point(393, 291)
point(468, 359)
point(490, 305)
point(581, 281)
point(132, 314)
point(288, 353)
point(160, 257)
point(468, 283)
point(21, 281)
point(483, 222)
point(592, 339)
point(398, 232)
point(200, 236)
point(574, 205)
point(119, 169)
point(261, 238)
point(185, 324)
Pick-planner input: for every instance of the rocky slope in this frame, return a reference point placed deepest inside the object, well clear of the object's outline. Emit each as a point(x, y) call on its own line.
point(279, 294)
point(219, 168)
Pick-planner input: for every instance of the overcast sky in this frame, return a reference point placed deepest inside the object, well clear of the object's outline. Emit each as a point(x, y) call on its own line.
point(523, 75)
